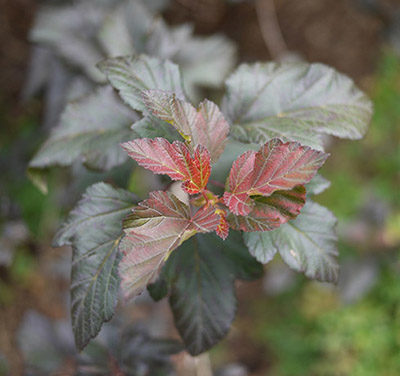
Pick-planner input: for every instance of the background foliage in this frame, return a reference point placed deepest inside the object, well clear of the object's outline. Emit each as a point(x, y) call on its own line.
point(282, 334)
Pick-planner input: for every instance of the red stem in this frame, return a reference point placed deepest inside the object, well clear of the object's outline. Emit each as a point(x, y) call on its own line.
point(217, 183)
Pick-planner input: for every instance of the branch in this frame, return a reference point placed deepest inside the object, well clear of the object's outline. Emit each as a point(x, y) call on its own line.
point(270, 29)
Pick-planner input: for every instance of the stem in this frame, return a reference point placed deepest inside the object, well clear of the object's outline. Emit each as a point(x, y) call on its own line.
point(205, 197)
point(217, 183)
point(270, 29)
point(202, 365)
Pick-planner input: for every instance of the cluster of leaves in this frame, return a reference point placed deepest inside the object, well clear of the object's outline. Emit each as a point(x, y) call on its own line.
point(47, 348)
point(81, 34)
point(266, 142)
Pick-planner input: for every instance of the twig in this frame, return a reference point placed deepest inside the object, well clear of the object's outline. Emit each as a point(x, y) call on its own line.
point(270, 29)
point(203, 365)
point(217, 183)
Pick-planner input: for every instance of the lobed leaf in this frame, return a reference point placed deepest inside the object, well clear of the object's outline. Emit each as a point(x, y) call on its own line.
point(203, 126)
point(89, 131)
point(93, 229)
point(174, 160)
point(154, 229)
point(276, 166)
point(306, 244)
point(268, 213)
point(294, 101)
point(131, 76)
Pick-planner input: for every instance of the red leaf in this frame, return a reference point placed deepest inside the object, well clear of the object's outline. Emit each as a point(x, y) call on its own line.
point(154, 229)
point(199, 170)
point(240, 174)
point(276, 166)
point(203, 126)
point(174, 160)
point(206, 219)
point(270, 212)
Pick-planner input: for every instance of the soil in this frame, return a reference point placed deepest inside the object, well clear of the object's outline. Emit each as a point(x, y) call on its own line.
point(336, 32)
point(16, 17)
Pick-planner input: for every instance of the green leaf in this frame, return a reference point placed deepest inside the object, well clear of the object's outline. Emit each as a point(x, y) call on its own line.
point(114, 34)
point(202, 293)
point(70, 31)
point(243, 265)
point(159, 289)
point(132, 75)
point(127, 27)
point(151, 127)
point(196, 56)
point(90, 131)
point(307, 244)
point(93, 229)
point(201, 65)
point(200, 277)
point(317, 185)
point(165, 41)
point(295, 101)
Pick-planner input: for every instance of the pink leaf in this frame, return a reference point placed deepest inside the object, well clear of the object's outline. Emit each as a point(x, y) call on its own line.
point(203, 126)
point(154, 229)
point(199, 170)
point(240, 175)
point(174, 160)
point(276, 166)
point(205, 219)
point(270, 212)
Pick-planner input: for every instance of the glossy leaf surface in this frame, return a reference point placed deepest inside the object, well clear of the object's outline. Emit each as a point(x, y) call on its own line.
point(294, 101)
